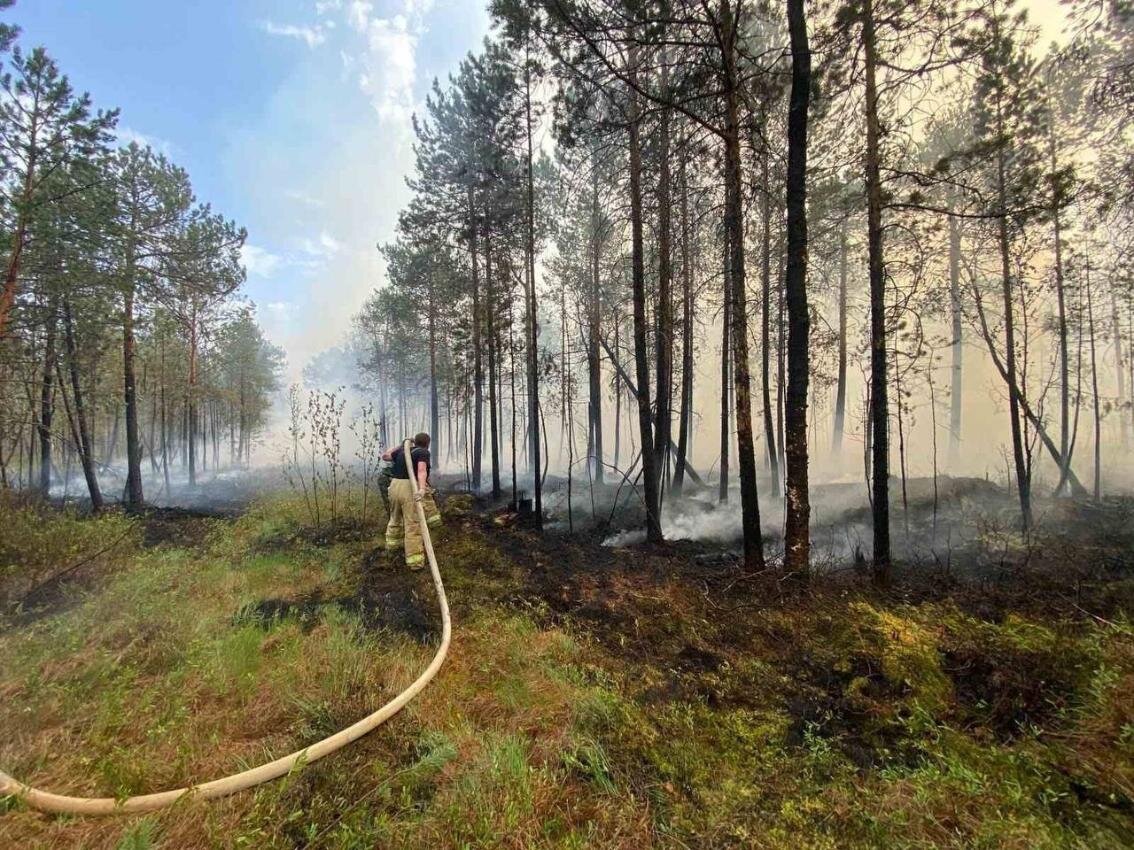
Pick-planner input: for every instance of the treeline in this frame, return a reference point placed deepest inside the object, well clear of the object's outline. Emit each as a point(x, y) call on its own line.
point(758, 170)
point(122, 335)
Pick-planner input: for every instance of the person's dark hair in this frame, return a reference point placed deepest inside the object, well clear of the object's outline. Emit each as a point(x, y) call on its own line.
point(421, 440)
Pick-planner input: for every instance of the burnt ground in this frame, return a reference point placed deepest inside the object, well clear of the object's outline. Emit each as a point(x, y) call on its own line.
point(681, 622)
point(681, 619)
point(182, 527)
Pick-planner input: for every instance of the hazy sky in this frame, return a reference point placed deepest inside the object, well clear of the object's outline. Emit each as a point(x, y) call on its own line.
point(292, 116)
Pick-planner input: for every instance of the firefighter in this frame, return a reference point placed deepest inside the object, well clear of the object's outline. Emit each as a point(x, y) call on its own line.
point(410, 484)
point(429, 501)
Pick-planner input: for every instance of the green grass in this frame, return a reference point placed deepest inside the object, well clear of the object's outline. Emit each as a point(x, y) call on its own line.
point(849, 724)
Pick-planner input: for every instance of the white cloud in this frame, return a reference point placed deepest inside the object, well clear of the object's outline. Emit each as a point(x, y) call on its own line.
point(280, 309)
point(259, 262)
point(325, 6)
point(312, 36)
point(358, 13)
point(128, 135)
point(388, 60)
point(323, 247)
point(305, 199)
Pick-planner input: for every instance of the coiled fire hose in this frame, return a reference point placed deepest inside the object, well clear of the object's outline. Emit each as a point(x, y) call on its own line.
point(63, 804)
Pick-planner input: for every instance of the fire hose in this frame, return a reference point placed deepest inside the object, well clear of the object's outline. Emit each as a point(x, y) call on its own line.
point(63, 804)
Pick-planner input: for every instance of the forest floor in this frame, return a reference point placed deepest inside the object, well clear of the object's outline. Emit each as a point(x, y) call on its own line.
point(593, 697)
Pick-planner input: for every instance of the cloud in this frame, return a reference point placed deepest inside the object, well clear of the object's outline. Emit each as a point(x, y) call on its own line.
point(305, 199)
point(312, 36)
point(128, 135)
point(259, 262)
point(388, 59)
point(324, 247)
point(358, 13)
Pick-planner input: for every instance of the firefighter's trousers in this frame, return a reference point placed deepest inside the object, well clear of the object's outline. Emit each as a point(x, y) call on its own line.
point(403, 528)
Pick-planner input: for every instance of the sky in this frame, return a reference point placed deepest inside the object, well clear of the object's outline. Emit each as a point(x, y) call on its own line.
point(292, 117)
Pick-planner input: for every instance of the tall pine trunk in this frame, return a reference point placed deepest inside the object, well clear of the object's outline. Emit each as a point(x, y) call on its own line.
point(663, 337)
point(734, 227)
point(191, 400)
point(47, 402)
point(879, 385)
point(841, 385)
point(434, 400)
point(797, 535)
point(1097, 490)
point(478, 368)
point(726, 371)
point(683, 428)
point(1061, 315)
point(641, 357)
point(766, 328)
point(1023, 486)
point(955, 384)
point(594, 317)
point(1119, 365)
point(86, 448)
point(533, 327)
point(490, 322)
point(134, 497)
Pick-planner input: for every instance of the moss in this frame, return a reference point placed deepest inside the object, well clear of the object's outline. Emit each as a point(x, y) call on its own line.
point(1018, 674)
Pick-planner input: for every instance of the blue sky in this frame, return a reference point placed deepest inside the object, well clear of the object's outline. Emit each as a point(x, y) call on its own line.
point(291, 116)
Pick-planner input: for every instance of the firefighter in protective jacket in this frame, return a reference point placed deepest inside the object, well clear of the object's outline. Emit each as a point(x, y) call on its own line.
point(410, 484)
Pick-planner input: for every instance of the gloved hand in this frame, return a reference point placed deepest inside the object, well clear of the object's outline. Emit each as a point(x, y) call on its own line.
point(418, 495)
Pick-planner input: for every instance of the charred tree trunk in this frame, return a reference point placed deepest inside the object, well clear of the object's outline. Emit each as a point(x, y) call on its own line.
point(726, 371)
point(841, 386)
point(663, 337)
point(86, 448)
point(490, 321)
point(766, 330)
point(734, 226)
point(434, 401)
point(879, 385)
point(134, 497)
point(533, 328)
point(1061, 311)
point(47, 402)
point(594, 316)
point(478, 368)
point(684, 424)
point(641, 358)
point(191, 401)
point(957, 341)
point(1023, 485)
point(797, 535)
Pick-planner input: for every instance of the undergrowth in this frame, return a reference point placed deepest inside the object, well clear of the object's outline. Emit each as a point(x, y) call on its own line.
point(842, 721)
